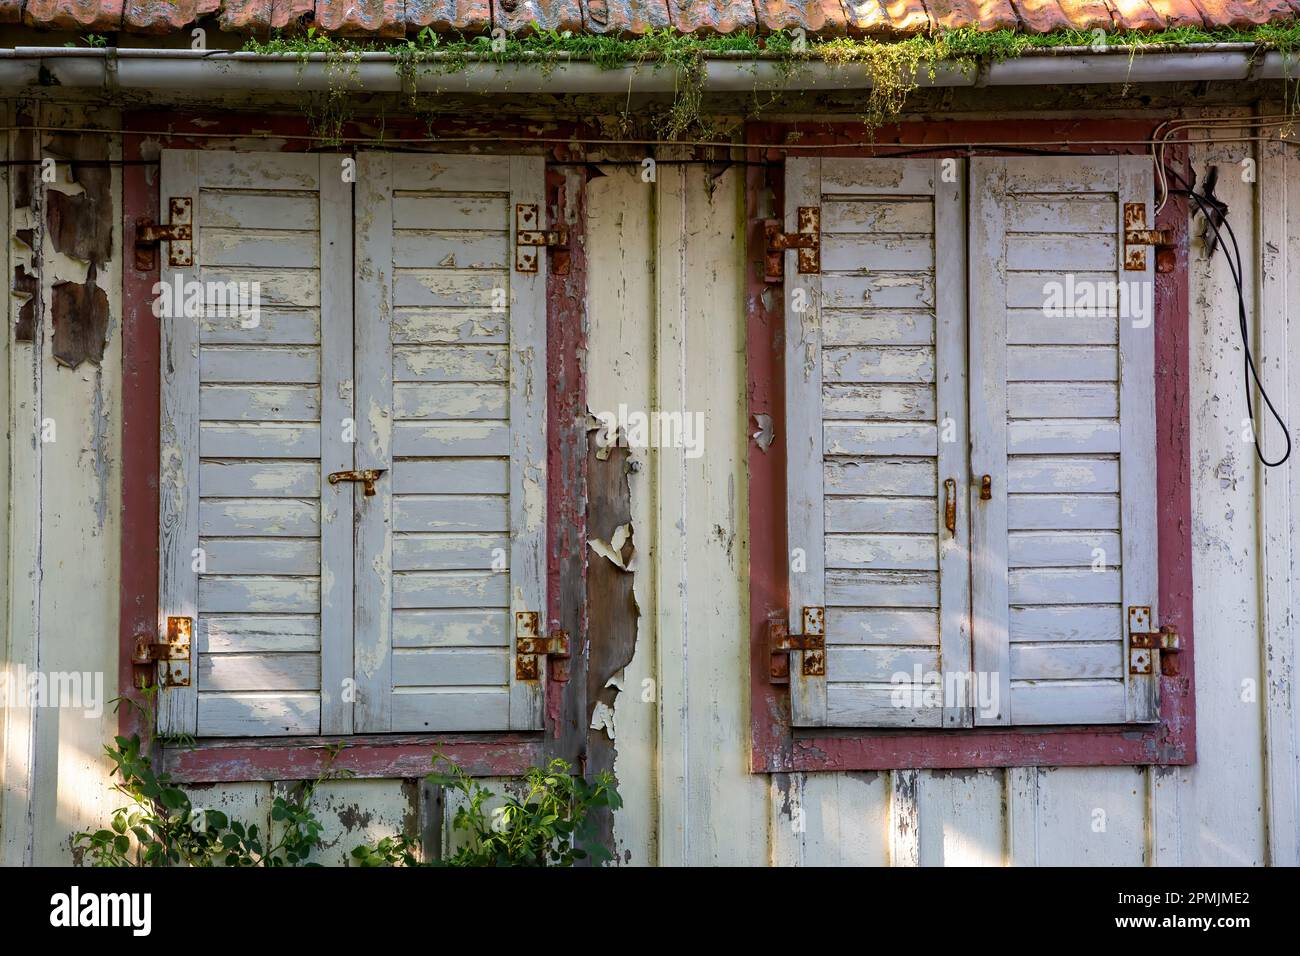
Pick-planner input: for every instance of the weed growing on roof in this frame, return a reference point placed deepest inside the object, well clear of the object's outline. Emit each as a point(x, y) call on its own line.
point(895, 66)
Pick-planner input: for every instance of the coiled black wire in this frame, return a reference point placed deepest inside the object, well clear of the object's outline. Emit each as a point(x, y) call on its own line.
point(1250, 372)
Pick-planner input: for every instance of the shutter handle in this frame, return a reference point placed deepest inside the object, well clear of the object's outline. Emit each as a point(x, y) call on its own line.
point(368, 477)
point(950, 506)
point(986, 488)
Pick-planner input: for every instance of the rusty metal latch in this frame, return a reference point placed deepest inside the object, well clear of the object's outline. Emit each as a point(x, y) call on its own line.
point(808, 241)
point(529, 237)
point(1137, 237)
point(368, 477)
point(1144, 643)
point(812, 642)
point(172, 655)
point(531, 645)
point(177, 233)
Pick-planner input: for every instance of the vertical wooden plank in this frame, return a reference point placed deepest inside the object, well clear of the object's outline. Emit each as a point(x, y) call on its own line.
point(336, 411)
point(373, 367)
point(178, 472)
point(904, 820)
point(1164, 819)
point(1225, 541)
point(961, 817)
point(620, 348)
point(1137, 427)
point(22, 503)
point(1279, 499)
point(950, 278)
point(528, 440)
point(673, 666)
point(1022, 815)
point(988, 425)
point(805, 517)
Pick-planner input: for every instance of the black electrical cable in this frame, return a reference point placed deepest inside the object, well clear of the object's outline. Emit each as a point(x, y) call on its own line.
point(1250, 371)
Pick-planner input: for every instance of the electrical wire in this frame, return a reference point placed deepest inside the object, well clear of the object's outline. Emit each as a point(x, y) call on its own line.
point(1249, 371)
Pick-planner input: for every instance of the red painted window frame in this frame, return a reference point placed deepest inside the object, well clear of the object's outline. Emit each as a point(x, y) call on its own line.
point(368, 755)
point(775, 746)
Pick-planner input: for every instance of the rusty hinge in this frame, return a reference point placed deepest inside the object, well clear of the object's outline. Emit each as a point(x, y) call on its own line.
point(1137, 237)
point(177, 233)
point(530, 645)
point(812, 642)
point(367, 477)
point(530, 237)
point(172, 655)
point(1143, 642)
point(808, 240)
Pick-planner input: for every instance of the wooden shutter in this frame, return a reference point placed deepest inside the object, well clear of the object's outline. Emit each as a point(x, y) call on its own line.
point(876, 422)
point(251, 423)
point(451, 398)
point(1062, 420)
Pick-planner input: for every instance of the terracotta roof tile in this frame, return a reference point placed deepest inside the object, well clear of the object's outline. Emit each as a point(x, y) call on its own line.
point(289, 14)
point(712, 16)
point(626, 17)
point(986, 14)
point(246, 16)
point(1041, 16)
point(444, 16)
point(815, 16)
point(1178, 13)
point(163, 16)
point(1135, 15)
point(385, 18)
point(519, 16)
point(1087, 14)
point(867, 18)
point(880, 18)
point(1231, 13)
point(74, 14)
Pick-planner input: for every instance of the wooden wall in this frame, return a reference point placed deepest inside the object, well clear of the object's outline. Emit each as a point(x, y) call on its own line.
point(666, 332)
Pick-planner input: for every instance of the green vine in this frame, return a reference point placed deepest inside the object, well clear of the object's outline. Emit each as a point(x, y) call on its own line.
point(895, 67)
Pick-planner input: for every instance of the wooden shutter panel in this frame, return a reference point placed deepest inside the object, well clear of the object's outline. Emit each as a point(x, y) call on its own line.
point(876, 422)
point(1063, 421)
point(251, 418)
point(451, 392)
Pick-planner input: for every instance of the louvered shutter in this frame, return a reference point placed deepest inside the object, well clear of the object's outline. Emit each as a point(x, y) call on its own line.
point(451, 397)
point(876, 423)
point(254, 546)
point(1062, 419)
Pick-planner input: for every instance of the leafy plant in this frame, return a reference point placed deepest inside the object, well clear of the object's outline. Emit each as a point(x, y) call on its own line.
point(549, 825)
point(162, 827)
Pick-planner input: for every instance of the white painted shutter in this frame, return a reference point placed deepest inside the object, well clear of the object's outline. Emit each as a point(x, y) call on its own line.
point(876, 422)
point(451, 399)
point(1062, 420)
point(250, 426)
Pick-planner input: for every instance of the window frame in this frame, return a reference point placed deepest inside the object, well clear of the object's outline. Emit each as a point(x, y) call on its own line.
point(216, 760)
point(776, 747)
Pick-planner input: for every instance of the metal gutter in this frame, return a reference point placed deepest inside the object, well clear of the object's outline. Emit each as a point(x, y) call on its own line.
point(213, 72)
